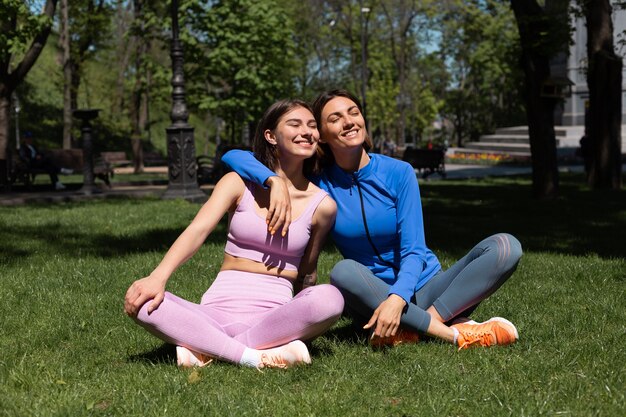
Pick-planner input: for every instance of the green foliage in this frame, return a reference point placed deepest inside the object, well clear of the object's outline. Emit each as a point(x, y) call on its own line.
point(19, 26)
point(67, 349)
point(90, 27)
point(245, 65)
point(458, 60)
point(481, 44)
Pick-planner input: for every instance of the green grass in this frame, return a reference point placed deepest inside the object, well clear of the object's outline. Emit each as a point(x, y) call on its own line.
point(68, 350)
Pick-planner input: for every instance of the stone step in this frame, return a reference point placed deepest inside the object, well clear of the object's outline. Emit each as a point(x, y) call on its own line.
point(499, 146)
point(561, 142)
point(567, 131)
point(504, 138)
point(452, 151)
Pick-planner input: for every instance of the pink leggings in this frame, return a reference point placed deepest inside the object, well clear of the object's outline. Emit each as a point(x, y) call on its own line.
point(243, 309)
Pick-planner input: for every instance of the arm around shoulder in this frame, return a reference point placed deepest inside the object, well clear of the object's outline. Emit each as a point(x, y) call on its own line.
point(247, 166)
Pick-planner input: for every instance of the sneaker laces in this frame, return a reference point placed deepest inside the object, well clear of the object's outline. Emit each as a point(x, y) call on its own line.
point(469, 338)
point(273, 361)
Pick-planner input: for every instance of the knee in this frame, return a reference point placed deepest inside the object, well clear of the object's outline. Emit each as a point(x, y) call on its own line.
point(142, 315)
point(515, 248)
point(343, 273)
point(510, 249)
point(329, 302)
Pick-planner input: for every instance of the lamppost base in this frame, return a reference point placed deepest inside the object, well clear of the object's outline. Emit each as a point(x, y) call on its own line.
point(193, 194)
point(89, 190)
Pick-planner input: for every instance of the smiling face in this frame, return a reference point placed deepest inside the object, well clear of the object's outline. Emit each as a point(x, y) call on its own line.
point(342, 124)
point(295, 134)
point(287, 128)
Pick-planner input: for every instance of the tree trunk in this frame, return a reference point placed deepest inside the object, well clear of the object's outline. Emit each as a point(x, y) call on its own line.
point(539, 112)
point(9, 80)
point(138, 122)
point(74, 83)
point(123, 55)
point(604, 79)
point(67, 75)
point(5, 106)
point(540, 40)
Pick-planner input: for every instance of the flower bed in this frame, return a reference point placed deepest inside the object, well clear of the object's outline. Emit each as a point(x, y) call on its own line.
point(486, 159)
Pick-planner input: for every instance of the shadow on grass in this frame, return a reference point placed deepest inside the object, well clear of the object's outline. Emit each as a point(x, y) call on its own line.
point(72, 241)
point(458, 215)
point(166, 353)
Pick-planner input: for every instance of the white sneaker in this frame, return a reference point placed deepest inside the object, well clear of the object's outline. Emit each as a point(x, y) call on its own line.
point(186, 358)
point(293, 353)
point(59, 186)
point(66, 171)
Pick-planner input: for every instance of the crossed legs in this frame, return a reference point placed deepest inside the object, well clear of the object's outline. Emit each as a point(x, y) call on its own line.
point(452, 293)
point(210, 330)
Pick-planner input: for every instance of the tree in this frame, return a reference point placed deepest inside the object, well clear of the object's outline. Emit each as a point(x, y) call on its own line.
point(19, 26)
point(480, 44)
point(244, 51)
point(604, 79)
point(67, 75)
point(544, 31)
point(139, 96)
point(399, 17)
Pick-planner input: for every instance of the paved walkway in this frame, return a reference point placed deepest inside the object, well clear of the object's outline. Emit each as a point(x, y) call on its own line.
point(454, 171)
point(44, 194)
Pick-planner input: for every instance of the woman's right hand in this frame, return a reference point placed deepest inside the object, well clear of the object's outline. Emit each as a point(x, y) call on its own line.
point(279, 212)
point(141, 291)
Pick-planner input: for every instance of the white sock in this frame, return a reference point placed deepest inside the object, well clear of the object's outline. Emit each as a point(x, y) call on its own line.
point(250, 358)
point(456, 335)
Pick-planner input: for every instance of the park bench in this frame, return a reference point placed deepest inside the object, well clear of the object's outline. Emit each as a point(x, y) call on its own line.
point(426, 161)
point(116, 158)
point(153, 159)
point(71, 159)
point(211, 169)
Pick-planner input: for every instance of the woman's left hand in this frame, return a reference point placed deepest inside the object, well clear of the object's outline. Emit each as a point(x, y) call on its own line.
point(387, 316)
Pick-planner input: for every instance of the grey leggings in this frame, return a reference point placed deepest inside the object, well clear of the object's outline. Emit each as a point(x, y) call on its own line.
point(454, 292)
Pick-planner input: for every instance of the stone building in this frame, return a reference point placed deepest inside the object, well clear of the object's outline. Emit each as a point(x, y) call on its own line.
point(574, 66)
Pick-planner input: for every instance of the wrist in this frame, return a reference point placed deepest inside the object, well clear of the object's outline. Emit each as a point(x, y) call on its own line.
point(397, 299)
point(159, 276)
point(271, 181)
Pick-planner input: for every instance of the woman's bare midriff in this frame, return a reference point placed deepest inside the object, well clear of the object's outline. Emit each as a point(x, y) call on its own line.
point(232, 263)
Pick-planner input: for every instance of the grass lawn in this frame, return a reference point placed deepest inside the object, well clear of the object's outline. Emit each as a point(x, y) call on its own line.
point(68, 350)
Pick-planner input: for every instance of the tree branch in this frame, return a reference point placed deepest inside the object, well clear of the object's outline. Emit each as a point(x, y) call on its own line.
point(36, 47)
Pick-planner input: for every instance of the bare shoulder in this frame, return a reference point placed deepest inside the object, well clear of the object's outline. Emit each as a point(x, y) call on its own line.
point(232, 179)
point(327, 209)
point(230, 186)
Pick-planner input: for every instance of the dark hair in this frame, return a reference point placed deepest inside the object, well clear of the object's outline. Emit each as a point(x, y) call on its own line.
point(268, 153)
point(326, 155)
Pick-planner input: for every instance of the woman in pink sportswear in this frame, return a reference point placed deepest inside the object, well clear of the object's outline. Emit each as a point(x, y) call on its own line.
point(249, 315)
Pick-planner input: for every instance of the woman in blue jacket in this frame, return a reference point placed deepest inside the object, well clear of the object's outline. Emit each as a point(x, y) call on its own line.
point(390, 279)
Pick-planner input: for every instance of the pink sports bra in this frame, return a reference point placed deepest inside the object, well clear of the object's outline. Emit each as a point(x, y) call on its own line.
point(248, 236)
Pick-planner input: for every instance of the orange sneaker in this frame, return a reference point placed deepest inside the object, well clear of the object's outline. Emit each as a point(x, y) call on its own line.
point(293, 353)
point(495, 331)
point(402, 336)
point(187, 358)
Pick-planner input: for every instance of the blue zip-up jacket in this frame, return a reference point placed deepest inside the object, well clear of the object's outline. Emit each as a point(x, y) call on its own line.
point(393, 211)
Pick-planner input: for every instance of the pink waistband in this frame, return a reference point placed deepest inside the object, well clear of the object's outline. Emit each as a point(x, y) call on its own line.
point(247, 292)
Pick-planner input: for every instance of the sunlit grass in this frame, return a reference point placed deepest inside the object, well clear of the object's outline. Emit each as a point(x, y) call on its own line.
point(67, 349)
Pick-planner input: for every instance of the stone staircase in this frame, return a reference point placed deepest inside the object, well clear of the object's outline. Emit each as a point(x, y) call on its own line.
point(514, 141)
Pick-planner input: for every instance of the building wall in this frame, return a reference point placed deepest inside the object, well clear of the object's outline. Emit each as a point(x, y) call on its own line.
point(573, 111)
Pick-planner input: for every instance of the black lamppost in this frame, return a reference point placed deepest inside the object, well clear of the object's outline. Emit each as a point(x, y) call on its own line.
point(86, 116)
point(181, 149)
point(363, 21)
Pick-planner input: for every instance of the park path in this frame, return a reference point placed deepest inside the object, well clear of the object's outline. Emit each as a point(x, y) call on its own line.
point(45, 195)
